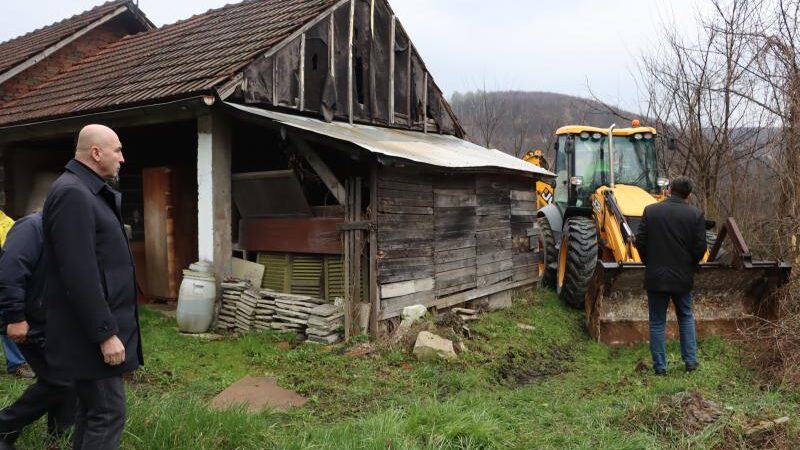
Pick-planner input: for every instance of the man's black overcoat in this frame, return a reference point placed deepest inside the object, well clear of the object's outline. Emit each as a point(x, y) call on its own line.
point(671, 241)
point(90, 293)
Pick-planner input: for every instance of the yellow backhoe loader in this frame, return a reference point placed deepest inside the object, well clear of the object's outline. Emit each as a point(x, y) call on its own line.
point(588, 221)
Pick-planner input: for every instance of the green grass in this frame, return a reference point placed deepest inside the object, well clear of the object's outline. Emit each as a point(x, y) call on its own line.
point(574, 393)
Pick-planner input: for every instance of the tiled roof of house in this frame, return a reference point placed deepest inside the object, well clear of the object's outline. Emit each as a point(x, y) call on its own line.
point(187, 57)
point(19, 49)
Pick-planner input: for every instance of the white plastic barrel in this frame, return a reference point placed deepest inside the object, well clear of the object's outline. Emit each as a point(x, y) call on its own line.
point(196, 298)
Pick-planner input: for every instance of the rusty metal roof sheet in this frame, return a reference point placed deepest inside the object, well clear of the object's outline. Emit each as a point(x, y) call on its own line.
point(426, 148)
point(19, 49)
point(187, 57)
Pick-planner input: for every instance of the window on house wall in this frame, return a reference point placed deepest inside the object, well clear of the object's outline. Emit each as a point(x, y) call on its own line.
point(316, 67)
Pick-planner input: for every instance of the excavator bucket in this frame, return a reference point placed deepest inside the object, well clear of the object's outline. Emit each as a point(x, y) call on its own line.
point(726, 297)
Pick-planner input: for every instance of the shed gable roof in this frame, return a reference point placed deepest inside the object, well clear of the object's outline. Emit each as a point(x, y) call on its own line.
point(189, 56)
point(19, 49)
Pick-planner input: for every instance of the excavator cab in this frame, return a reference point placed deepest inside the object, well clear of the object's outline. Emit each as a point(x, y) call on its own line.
point(583, 162)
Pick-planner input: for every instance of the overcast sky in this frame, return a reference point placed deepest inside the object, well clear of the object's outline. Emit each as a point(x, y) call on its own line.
point(567, 47)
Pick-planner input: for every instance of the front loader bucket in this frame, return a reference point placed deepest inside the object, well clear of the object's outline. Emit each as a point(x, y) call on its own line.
point(725, 298)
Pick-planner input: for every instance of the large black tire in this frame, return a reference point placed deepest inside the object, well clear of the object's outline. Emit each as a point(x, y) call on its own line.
point(550, 253)
point(578, 255)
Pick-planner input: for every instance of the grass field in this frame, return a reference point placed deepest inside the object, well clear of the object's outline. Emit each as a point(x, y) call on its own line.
point(514, 388)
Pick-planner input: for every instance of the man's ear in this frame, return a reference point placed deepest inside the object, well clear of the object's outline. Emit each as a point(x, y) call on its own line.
point(95, 151)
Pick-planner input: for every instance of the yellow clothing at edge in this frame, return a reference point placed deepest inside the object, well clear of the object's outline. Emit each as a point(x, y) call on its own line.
point(5, 224)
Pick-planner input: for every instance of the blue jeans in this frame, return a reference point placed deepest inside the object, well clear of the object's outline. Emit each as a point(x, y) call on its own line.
point(657, 303)
point(14, 357)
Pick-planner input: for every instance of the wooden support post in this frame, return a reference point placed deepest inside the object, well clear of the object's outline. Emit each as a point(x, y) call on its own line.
point(409, 92)
point(302, 101)
point(331, 46)
point(322, 169)
point(214, 192)
point(275, 80)
point(348, 293)
point(391, 69)
point(350, 62)
point(374, 294)
point(425, 105)
point(359, 244)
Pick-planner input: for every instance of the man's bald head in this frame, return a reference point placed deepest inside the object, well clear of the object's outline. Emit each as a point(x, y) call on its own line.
point(97, 135)
point(99, 148)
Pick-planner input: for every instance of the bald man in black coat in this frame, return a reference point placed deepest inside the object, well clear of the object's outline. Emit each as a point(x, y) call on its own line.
point(92, 317)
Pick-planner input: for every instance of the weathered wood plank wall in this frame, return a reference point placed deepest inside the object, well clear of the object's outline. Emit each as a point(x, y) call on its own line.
point(405, 239)
point(442, 237)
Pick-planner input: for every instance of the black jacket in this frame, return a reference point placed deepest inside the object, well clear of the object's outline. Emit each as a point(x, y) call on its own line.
point(90, 294)
point(22, 276)
point(671, 241)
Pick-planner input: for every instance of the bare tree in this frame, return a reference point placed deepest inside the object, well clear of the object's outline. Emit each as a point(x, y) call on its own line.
point(692, 89)
point(482, 111)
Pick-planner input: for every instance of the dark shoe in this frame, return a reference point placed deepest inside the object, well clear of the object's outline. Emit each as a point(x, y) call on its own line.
point(660, 372)
point(23, 371)
point(691, 367)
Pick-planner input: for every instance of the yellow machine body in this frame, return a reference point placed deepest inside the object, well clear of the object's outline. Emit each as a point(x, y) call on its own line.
point(610, 276)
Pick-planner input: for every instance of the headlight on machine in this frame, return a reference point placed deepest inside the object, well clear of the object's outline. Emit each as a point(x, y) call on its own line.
point(662, 182)
point(576, 181)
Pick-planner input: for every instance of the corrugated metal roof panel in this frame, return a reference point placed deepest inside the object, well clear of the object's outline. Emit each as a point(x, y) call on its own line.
point(433, 149)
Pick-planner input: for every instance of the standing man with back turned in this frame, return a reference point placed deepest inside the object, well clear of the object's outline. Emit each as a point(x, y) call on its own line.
point(671, 242)
point(92, 317)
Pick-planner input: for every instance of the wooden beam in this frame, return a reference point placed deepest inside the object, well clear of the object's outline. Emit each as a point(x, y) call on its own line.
point(358, 234)
point(425, 105)
point(275, 81)
point(391, 69)
point(409, 82)
point(331, 47)
point(322, 169)
point(281, 45)
point(362, 225)
point(374, 292)
point(350, 62)
point(167, 112)
point(302, 94)
point(463, 297)
point(348, 245)
point(228, 88)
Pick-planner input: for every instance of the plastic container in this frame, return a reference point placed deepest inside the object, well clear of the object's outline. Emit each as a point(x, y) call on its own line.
point(196, 298)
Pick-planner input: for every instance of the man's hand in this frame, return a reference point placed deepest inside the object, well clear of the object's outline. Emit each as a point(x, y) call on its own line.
point(18, 331)
point(113, 351)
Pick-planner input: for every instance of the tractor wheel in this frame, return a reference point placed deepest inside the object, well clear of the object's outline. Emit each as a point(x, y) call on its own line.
point(711, 239)
point(549, 253)
point(577, 260)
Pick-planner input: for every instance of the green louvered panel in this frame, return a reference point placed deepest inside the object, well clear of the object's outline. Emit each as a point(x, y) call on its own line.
point(334, 277)
point(276, 270)
point(306, 275)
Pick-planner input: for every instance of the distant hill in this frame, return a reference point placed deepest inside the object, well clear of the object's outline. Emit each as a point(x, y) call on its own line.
point(518, 121)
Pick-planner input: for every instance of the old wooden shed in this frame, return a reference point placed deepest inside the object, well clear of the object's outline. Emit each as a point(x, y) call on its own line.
point(306, 135)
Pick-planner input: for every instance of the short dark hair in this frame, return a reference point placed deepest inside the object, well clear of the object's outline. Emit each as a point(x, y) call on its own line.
point(681, 186)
